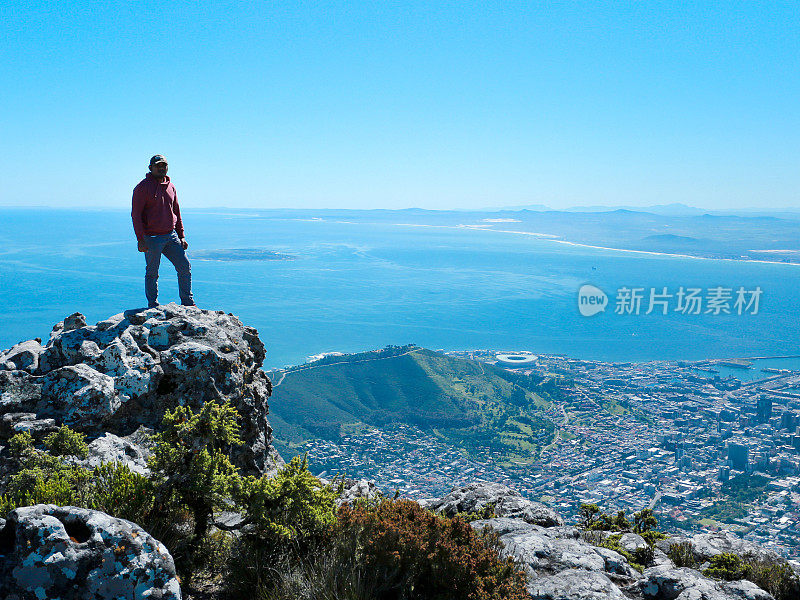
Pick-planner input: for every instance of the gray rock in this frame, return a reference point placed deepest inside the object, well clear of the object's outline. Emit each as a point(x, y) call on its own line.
point(631, 542)
point(111, 448)
point(354, 489)
point(505, 525)
point(79, 395)
point(617, 564)
point(546, 551)
point(13, 423)
point(22, 357)
point(707, 545)
point(507, 503)
point(795, 565)
point(660, 559)
point(74, 321)
point(574, 584)
point(662, 583)
point(746, 590)
point(74, 553)
point(127, 370)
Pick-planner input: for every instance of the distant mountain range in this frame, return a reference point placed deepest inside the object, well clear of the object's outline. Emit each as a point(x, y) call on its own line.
point(672, 209)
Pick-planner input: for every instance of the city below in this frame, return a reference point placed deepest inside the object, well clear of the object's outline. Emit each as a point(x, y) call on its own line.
point(705, 449)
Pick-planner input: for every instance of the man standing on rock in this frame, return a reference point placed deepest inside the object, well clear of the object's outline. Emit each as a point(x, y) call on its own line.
point(159, 230)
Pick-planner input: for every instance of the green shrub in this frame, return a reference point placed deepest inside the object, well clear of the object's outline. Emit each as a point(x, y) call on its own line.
point(7, 504)
point(191, 469)
point(777, 578)
point(66, 442)
point(190, 459)
point(644, 521)
point(774, 576)
point(682, 554)
point(418, 555)
point(214, 552)
point(122, 493)
point(38, 477)
point(380, 550)
point(726, 566)
point(289, 517)
point(487, 512)
point(65, 486)
point(332, 571)
point(20, 443)
point(592, 518)
point(652, 536)
point(293, 505)
point(588, 515)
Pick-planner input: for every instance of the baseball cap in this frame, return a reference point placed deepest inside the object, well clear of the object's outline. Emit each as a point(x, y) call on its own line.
point(158, 158)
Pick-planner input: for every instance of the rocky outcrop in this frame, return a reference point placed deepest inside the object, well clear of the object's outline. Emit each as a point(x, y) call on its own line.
point(505, 502)
point(706, 545)
point(552, 550)
point(631, 542)
point(574, 584)
point(353, 489)
point(562, 566)
point(22, 357)
point(126, 371)
point(132, 451)
point(664, 583)
point(73, 553)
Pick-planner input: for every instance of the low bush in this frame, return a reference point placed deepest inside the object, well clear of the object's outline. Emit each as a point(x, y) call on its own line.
point(289, 517)
point(487, 512)
point(417, 554)
point(66, 442)
point(774, 576)
point(682, 554)
point(381, 550)
point(726, 566)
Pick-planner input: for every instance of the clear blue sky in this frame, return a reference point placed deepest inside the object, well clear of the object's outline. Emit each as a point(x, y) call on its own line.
point(388, 104)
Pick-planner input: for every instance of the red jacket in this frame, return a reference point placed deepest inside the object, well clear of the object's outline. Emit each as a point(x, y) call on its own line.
point(155, 208)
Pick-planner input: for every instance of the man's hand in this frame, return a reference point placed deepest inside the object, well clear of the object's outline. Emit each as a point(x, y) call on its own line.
point(184, 243)
point(142, 246)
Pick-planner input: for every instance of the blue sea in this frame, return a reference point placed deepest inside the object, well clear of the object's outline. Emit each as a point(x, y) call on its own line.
point(363, 279)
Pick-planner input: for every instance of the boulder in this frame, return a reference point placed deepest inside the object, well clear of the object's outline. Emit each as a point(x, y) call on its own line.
point(746, 590)
point(707, 545)
point(74, 553)
point(506, 502)
point(79, 395)
point(126, 371)
point(13, 423)
point(574, 584)
point(660, 559)
point(664, 583)
point(22, 357)
point(549, 551)
point(111, 448)
point(354, 489)
point(631, 542)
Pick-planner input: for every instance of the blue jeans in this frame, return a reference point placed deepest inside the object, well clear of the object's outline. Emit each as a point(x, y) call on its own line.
point(169, 245)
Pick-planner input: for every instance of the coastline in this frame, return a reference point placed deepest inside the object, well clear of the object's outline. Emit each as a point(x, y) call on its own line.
point(549, 237)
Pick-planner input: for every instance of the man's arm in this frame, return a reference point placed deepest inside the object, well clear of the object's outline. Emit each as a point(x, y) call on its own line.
point(178, 222)
point(136, 215)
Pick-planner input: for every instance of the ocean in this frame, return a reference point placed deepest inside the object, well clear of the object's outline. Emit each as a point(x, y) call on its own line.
point(354, 281)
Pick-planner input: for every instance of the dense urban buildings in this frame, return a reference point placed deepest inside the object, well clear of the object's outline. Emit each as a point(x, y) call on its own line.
point(705, 451)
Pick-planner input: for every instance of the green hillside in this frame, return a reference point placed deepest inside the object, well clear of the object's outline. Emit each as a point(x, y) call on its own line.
point(484, 409)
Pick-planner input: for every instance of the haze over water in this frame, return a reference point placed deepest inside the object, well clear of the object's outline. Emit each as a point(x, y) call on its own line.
point(359, 283)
